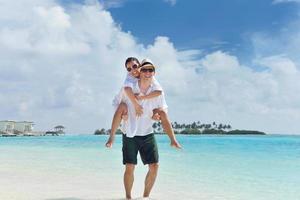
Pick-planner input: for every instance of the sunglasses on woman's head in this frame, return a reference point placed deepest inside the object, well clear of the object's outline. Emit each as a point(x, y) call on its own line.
point(147, 70)
point(133, 67)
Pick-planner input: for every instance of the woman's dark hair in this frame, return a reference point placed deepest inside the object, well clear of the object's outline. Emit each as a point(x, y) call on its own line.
point(130, 59)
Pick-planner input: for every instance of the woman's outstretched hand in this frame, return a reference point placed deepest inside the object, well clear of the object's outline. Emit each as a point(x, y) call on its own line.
point(175, 144)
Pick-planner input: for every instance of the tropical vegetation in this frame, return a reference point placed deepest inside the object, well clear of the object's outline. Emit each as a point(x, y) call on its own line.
point(194, 128)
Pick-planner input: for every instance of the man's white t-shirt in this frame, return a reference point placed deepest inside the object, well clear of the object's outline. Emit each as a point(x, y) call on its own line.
point(140, 126)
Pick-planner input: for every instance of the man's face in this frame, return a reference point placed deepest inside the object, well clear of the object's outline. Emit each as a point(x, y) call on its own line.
point(133, 68)
point(147, 73)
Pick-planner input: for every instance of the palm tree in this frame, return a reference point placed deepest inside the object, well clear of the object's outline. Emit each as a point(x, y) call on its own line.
point(193, 125)
point(214, 124)
point(207, 126)
point(220, 126)
point(198, 124)
point(177, 126)
point(229, 127)
point(154, 126)
point(175, 123)
point(159, 128)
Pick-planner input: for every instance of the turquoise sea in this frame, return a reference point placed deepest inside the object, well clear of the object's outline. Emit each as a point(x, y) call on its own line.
point(79, 167)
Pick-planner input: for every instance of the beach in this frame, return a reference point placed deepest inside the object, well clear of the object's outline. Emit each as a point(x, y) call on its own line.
point(79, 167)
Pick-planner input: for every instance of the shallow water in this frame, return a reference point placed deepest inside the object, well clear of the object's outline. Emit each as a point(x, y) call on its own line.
point(79, 167)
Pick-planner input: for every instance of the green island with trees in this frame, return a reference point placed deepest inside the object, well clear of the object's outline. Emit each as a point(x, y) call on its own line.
point(195, 128)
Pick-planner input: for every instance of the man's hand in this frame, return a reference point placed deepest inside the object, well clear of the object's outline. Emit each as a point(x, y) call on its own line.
point(110, 142)
point(138, 110)
point(175, 144)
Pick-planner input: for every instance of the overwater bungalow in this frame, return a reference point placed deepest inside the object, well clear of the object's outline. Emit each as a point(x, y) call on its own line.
point(58, 130)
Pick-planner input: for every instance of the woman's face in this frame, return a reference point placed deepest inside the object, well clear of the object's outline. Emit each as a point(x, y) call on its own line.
point(133, 68)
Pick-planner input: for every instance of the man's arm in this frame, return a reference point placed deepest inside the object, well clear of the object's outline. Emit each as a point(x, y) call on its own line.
point(138, 108)
point(152, 94)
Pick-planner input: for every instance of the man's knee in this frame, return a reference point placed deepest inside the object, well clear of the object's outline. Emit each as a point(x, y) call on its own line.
point(153, 167)
point(122, 108)
point(129, 168)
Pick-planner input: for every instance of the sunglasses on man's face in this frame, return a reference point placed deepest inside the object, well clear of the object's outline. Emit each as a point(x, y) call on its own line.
point(133, 67)
point(147, 70)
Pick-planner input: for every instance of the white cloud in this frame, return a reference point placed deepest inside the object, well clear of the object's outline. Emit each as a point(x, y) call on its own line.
point(285, 1)
point(172, 2)
point(220, 61)
point(280, 65)
point(110, 3)
point(285, 42)
point(61, 66)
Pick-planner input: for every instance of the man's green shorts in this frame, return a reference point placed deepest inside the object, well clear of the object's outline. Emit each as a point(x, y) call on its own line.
point(145, 145)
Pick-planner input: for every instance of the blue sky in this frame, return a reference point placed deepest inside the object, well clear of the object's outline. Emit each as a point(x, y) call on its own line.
point(233, 62)
point(208, 25)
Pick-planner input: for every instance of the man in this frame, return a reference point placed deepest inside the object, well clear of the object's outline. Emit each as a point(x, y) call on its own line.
point(132, 66)
point(138, 133)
